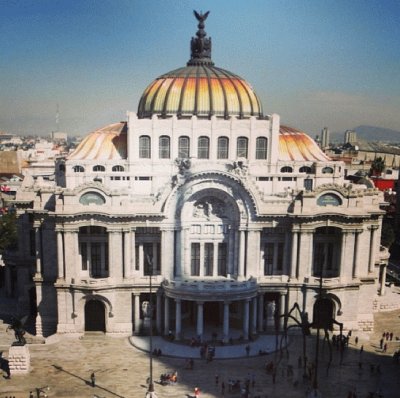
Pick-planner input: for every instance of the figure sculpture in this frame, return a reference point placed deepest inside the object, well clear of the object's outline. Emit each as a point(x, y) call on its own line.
point(19, 330)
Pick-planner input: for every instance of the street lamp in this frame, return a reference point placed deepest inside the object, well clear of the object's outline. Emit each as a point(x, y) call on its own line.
point(150, 392)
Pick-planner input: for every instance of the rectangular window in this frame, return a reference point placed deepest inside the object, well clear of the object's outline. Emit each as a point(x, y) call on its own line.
point(319, 258)
point(308, 184)
point(195, 259)
point(222, 271)
point(137, 257)
point(264, 178)
point(148, 266)
point(164, 147)
point(95, 260)
point(208, 259)
point(268, 259)
point(143, 178)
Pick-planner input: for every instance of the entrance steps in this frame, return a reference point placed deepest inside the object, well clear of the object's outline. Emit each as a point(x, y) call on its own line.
point(94, 336)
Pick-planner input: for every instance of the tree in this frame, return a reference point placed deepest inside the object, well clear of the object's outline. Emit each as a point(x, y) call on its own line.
point(377, 166)
point(388, 236)
point(8, 232)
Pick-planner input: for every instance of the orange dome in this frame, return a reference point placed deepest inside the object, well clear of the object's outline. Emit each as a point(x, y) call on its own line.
point(200, 88)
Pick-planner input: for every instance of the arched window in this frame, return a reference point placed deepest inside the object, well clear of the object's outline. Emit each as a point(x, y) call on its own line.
point(99, 167)
point(144, 147)
point(241, 149)
point(203, 149)
point(261, 148)
point(78, 169)
point(164, 147)
point(327, 170)
point(222, 148)
point(305, 169)
point(118, 168)
point(183, 147)
point(286, 169)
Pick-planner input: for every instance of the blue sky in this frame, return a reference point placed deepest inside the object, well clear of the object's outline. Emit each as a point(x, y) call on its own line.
point(315, 62)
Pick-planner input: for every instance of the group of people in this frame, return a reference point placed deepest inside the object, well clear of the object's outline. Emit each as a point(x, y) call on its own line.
point(169, 378)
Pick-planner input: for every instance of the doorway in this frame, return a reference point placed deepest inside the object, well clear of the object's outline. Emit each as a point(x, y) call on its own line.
point(95, 316)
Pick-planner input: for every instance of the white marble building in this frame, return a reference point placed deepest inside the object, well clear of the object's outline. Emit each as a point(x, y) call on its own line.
point(236, 214)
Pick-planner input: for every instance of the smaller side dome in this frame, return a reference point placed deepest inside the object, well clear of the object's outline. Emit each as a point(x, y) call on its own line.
point(295, 145)
point(107, 143)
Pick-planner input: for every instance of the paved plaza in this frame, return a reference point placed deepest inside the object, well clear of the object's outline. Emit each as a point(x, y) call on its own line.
point(121, 368)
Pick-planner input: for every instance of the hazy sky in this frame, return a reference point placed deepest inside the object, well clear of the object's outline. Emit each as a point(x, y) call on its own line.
point(317, 63)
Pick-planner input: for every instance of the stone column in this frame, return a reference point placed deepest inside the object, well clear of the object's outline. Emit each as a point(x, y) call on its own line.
point(178, 319)
point(357, 251)
point(115, 253)
point(127, 271)
point(383, 280)
point(38, 252)
point(186, 249)
point(167, 252)
point(226, 322)
point(231, 253)
point(372, 249)
point(246, 313)
point(215, 260)
point(141, 259)
point(282, 310)
point(166, 315)
point(137, 312)
point(261, 313)
point(60, 253)
point(342, 255)
point(254, 316)
point(158, 312)
point(293, 264)
point(133, 270)
point(253, 252)
point(242, 252)
point(73, 264)
point(200, 319)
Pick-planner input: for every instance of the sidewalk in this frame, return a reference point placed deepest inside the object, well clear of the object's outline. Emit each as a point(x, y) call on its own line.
point(265, 343)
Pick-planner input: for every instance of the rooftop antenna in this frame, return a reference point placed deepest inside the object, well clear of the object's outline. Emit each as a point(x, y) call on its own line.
point(58, 118)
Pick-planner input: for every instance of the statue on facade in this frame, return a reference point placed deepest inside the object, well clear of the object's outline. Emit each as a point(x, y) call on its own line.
point(17, 325)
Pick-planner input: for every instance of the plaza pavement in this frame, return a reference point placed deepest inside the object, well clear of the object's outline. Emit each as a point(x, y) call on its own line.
point(121, 368)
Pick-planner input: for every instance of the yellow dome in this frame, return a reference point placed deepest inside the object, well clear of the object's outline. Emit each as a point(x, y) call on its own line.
point(200, 88)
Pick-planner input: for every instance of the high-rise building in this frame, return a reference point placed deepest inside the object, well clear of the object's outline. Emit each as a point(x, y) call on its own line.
point(350, 136)
point(325, 138)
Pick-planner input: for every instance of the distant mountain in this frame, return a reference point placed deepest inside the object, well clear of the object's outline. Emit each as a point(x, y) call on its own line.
point(371, 133)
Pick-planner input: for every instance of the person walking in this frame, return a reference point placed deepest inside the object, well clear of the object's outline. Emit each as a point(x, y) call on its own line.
point(93, 379)
point(196, 392)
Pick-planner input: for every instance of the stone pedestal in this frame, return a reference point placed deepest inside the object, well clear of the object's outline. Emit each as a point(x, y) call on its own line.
point(19, 359)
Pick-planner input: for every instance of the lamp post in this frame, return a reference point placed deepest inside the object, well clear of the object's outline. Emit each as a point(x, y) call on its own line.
point(150, 392)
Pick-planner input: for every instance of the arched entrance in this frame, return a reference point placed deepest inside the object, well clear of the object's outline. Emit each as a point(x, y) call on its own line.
point(95, 316)
point(323, 313)
point(212, 313)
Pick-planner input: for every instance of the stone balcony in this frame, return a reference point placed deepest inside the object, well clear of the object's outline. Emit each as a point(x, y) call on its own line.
point(210, 290)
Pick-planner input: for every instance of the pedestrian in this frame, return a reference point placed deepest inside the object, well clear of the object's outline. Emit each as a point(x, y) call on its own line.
point(247, 350)
point(197, 392)
point(93, 379)
point(384, 347)
point(216, 380)
point(381, 343)
point(391, 336)
point(356, 340)
point(223, 388)
point(361, 349)
point(30, 394)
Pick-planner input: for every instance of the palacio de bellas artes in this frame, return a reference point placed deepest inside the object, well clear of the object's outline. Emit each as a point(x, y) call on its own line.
point(204, 207)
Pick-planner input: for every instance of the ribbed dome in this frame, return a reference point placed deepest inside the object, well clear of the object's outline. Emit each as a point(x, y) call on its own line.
point(200, 88)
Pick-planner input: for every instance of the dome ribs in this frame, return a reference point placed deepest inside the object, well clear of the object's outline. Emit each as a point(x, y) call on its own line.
point(210, 93)
point(183, 92)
